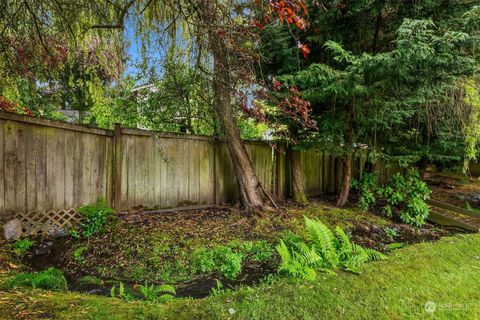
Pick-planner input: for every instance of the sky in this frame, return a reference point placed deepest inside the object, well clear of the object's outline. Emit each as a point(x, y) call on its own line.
point(155, 52)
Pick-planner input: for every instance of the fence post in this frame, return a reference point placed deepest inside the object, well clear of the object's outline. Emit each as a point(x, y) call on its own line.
point(117, 144)
point(215, 173)
point(280, 173)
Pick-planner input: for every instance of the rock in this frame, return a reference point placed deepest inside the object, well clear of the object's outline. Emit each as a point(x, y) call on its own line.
point(58, 233)
point(43, 249)
point(12, 230)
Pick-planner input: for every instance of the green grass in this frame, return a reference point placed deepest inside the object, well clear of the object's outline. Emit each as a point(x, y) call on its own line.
point(446, 272)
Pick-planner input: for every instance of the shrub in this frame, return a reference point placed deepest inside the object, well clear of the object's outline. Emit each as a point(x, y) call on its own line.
point(22, 246)
point(406, 193)
point(96, 217)
point(50, 279)
point(368, 188)
point(322, 250)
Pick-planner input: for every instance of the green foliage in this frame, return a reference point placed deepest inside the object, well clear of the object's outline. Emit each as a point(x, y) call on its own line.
point(78, 253)
point(228, 260)
point(322, 250)
point(157, 294)
point(219, 289)
point(471, 208)
point(121, 293)
point(406, 193)
point(50, 279)
point(220, 258)
point(96, 217)
point(22, 246)
point(391, 232)
point(368, 187)
point(418, 57)
point(75, 234)
point(258, 251)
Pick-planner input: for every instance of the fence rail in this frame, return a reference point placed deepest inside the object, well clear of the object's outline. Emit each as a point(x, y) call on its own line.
point(49, 165)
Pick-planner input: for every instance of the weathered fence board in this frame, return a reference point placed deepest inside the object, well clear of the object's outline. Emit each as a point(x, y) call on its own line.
point(318, 170)
point(47, 165)
point(160, 172)
point(51, 167)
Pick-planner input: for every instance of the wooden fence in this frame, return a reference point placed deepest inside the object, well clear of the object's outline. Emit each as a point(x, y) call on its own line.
point(49, 165)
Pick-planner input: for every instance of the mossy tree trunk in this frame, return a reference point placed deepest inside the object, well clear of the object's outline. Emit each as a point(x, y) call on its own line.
point(251, 191)
point(298, 190)
point(344, 190)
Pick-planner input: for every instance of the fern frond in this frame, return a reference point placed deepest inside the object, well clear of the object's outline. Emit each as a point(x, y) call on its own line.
point(284, 253)
point(374, 255)
point(322, 237)
point(165, 288)
point(307, 254)
point(343, 242)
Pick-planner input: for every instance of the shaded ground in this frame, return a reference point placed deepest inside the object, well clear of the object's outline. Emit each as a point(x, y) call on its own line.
point(146, 247)
point(454, 189)
point(8, 260)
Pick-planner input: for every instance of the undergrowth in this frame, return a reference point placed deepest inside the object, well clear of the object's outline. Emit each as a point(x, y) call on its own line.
point(322, 250)
point(50, 279)
point(96, 217)
point(227, 260)
point(22, 246)
point(404, 195)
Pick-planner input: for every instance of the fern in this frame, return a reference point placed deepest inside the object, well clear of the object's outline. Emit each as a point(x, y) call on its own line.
point(322, 250)
point(321, 237)
point(157, 294)
point(296, 263)
point(50, 279)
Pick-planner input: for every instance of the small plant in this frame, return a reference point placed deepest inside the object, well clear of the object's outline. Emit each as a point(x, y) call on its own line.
point(96, 217)
point(157, 294)
point(469, 207)
point(22, 246)
point(322, 250)
point(219, 289)
point(227, 260)
point(258, 251)
point(50, 279)
point(409, 195)
point(220, 258)
point(120, 293)
point(75, 234)
point(391, 232)
point(78, 253)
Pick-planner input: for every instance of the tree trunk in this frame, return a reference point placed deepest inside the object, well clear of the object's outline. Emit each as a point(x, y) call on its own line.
point(298, 192)
point(345, 183)
point(251, 192)
point(344, 190)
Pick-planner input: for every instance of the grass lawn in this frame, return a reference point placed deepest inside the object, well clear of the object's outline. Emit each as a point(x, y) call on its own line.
point(446, 272)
